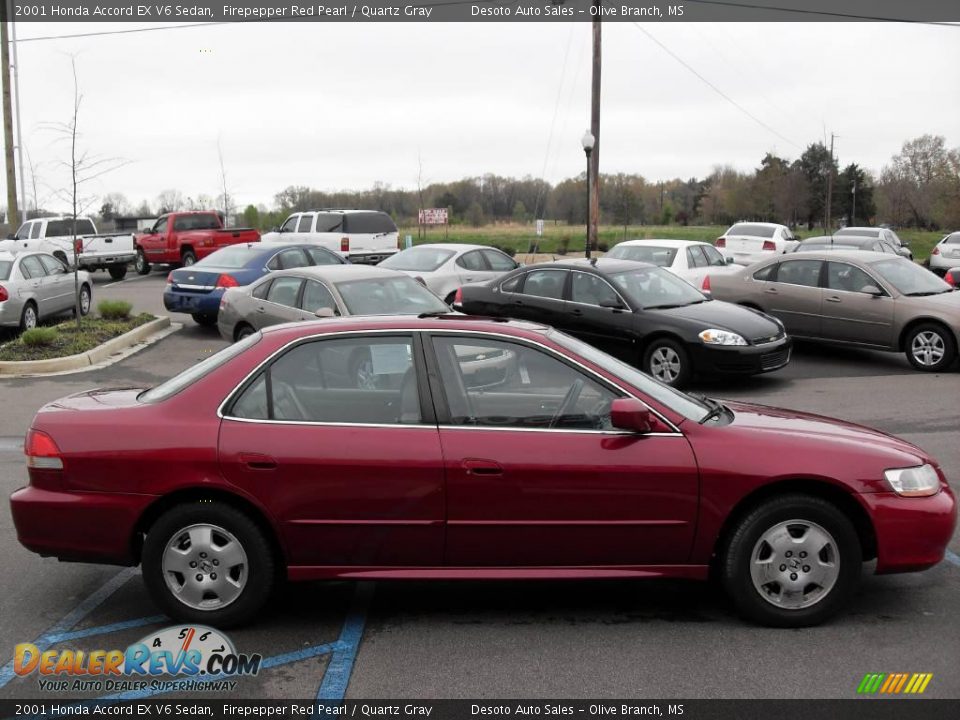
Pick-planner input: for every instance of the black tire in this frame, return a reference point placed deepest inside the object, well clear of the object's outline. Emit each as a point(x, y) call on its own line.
point(118, 271)
point(205, 320)
point(737, 557)
point(258, 573)
point(140, 264)
point(925, 342)
point(188, 258)
point(243, 330)
point(679, 371)
point(86, 299)
point(29, 318)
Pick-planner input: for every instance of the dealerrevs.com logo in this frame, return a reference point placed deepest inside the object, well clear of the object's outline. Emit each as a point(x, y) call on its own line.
point(198, 657)
point(894, 683)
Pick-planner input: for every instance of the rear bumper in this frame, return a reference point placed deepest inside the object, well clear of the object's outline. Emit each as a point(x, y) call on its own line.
point(742, 360)
point(748, 258)
point(98, 261)
point(10, 311)
point(939, 262)
point(193, 303)
point(81, 527)
point(371, 258)
point(912, 533)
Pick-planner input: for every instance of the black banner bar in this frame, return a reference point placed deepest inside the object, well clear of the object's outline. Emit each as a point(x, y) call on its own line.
point(943, 12)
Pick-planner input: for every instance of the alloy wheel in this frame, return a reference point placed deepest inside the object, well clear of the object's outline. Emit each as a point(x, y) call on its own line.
point(665, 364)
point(928, 348)
point(795, 564)
point(205, 567)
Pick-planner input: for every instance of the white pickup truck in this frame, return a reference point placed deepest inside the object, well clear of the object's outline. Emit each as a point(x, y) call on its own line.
point(55, 235)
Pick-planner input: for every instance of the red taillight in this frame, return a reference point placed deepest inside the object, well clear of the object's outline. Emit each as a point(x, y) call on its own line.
point(344, 244)
point(41, 451)
point(951, 279)
point(78, 246)
point(227, 281)
point(458, 297)
point(936, 250)
point(705, 286)
point(4, 295)
point(769, 245)
point(721, 242)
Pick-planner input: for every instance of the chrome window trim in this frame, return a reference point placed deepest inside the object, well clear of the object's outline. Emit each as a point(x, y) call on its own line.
point(437, 331)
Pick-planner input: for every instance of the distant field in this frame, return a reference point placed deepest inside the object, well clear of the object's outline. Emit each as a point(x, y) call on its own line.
point(521, 237)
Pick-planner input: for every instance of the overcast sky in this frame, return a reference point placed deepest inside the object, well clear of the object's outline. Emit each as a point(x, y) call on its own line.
point(340, 106)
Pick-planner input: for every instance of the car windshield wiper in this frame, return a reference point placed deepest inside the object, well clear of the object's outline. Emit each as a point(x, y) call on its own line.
point(925, 293)
point(662, 307)
point(716, 408)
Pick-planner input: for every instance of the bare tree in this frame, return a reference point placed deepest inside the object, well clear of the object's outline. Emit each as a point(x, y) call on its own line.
point(225, 198)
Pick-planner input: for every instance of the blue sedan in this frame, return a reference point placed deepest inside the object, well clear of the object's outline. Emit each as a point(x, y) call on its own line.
point(197, 289)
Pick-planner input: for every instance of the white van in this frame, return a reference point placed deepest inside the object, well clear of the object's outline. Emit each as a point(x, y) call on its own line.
point(361, 236)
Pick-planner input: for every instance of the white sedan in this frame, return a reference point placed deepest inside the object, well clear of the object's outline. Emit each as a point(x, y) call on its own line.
point(444, 267)
point(690, 259)
point(750, 242)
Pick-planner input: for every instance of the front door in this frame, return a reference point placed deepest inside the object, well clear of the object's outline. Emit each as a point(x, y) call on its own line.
point(352, 476)
point(851, 315)
point(281, 304)
point(154, 245)
point(536, 475)
point(593, 318)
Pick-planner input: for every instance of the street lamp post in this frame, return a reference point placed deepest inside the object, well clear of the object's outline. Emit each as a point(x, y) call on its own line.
point(588, 141)
point(853, 213)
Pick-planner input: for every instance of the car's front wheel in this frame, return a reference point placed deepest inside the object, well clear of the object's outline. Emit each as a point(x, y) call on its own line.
point(668, 362)
point(208, 563)
point(793, 561)
point(929, 347)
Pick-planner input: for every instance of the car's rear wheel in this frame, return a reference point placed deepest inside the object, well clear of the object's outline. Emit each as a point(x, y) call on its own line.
point(188, 258)
point(793, 561)
point(118, 271)
point(668, 362)
point(208, 563)
point(930, 347)
point(85, 299)
point(205, 320)
point(140, 264)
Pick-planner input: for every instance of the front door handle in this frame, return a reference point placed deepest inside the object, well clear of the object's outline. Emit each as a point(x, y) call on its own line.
point(833, 298)
point(479, 466)
point(258, 461)
point(772, 291)
point(576, 312)
point(261, 309)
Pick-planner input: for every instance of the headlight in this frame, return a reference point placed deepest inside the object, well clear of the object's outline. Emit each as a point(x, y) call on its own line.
point(913, 481)
point(721, 337)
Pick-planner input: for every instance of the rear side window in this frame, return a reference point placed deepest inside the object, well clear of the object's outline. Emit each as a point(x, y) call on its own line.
point(766, 274)
point(321, 256)
point(370, 223)
point(292, 258)
point(695, 258)
point(511, 285)
point(953, 239)
point(306, 220)
point(329, 222)
point(35, 231)
point(31, 267)
point(714, 258)
point(752, 230)
point(800, 272)
point(52, 265)
point(284, 291)
point(261, 290)
point(5, 267)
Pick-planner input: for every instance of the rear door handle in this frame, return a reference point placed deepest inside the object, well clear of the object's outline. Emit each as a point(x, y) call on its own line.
point(772, 291)
point(261, 309)
point(478, 466)
point(577, 312)
point(833, 298)
point(258, 461)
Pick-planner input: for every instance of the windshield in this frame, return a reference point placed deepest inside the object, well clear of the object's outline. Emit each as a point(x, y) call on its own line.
point(5, 266)
point(389, 296)
point(867, 233)
point(655, 254)
point(418, 259)
point(656, 288)
point(677, 401)
point(236, 256)
point(196, 372)
point(909, 278)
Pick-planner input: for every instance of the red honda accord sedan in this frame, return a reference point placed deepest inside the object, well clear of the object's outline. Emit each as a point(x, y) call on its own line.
point(466, 448)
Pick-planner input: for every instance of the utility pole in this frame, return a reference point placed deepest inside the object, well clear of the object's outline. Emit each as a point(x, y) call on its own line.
point(594, 158)
point(828, 216)
point(16, 96)
point(13, 215)
point(853, 211)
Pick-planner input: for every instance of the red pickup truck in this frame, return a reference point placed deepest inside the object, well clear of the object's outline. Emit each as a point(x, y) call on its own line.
point(182, 238)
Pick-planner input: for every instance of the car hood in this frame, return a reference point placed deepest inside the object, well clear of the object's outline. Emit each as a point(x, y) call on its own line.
point(948, 302)
point(800, 425)
point(749, 323)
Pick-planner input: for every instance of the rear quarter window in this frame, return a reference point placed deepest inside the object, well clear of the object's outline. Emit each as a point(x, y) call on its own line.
point(370, 223)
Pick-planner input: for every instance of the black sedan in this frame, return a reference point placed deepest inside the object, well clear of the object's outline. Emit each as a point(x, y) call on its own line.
point(639, 313)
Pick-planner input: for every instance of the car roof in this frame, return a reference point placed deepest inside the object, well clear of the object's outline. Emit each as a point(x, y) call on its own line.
point(453, 321)
point(856, 256)
point(662, 241)
point(761, 224)
point(343, 211)
point(602, 265)
point(335, 273)
point(858, 228)
point(451, 246)
point(846, 240)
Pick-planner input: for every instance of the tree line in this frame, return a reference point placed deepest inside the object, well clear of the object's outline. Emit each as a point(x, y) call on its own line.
point(919, 187)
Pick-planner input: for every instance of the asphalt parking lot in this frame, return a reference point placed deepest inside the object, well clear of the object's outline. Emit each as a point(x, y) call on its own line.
point(516, 639)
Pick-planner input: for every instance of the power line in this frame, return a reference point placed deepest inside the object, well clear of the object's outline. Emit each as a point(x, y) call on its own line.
point(717, 90)
point(120, 32)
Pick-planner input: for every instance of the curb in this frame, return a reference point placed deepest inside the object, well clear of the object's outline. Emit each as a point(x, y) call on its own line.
point(88, 359)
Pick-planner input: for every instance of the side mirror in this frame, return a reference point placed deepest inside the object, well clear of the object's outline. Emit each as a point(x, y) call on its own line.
point(612, 304)
point(324, 312)
point(631, 414)
point(871, 290)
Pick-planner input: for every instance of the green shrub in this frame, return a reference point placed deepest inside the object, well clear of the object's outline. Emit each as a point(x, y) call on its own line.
point(39, 336)
point(114, 309)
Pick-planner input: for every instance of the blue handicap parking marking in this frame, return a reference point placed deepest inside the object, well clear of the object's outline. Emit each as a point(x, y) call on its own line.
point(337, 677)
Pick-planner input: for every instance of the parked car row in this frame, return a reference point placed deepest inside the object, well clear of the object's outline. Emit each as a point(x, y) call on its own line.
point(35, 286)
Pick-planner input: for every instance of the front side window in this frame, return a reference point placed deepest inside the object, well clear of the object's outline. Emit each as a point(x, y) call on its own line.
point(545, 283)
point(161, 226)
point(800, 272)
point(847, 278)
point(472, 260)
point(316, 296)
point(593, 290)
point(290, 225)
point(494, 383)
point(24, 231)
point(498, 261)
point(284, 291)
point(368, 380)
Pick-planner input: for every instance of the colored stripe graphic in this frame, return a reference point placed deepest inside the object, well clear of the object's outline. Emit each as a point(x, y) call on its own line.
point(894, 683)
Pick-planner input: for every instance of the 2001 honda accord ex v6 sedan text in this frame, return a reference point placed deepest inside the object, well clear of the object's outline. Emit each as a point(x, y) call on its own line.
point(268, 460)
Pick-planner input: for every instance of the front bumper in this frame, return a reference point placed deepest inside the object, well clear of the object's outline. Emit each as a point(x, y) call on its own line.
point(193, 303)
point(741, 360)
point(912, 533)
point(81, 527)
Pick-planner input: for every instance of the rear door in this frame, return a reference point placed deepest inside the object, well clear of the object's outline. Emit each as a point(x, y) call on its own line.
point(795, 296)
point(851, 315)
point(540, 298)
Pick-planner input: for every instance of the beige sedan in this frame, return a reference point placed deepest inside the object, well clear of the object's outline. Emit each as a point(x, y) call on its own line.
point(861, 299)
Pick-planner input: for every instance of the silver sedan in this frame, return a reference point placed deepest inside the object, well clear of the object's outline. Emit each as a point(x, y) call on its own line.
point(445, 267)
point(35, 285)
